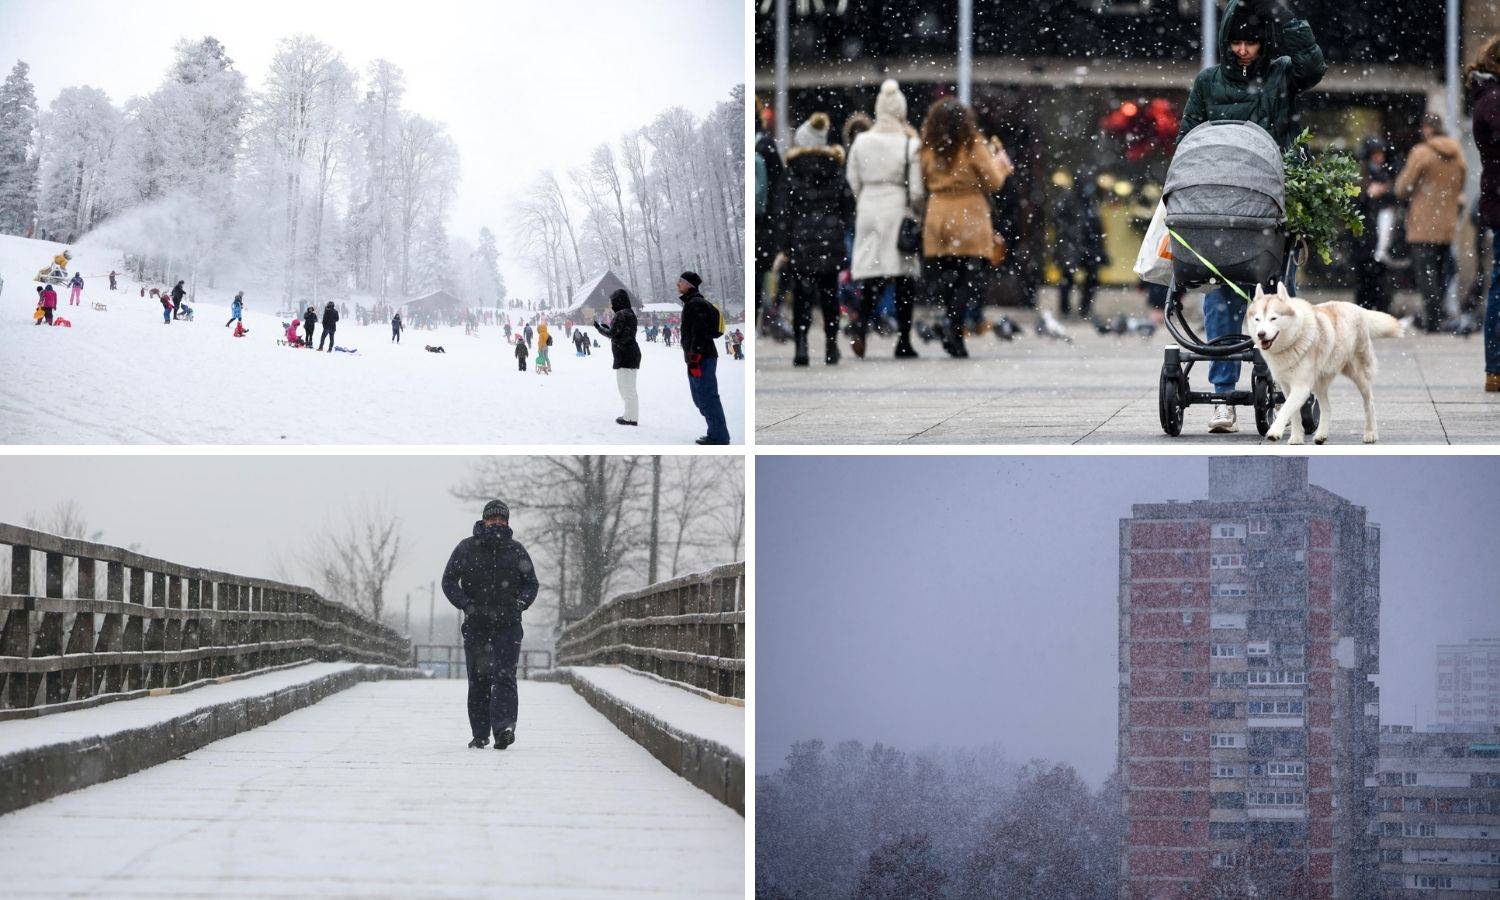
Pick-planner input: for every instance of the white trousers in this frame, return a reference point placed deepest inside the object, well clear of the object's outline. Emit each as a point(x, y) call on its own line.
point(626, 380)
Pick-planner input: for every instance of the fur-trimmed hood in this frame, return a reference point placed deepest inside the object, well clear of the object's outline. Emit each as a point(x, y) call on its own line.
point(833, 151)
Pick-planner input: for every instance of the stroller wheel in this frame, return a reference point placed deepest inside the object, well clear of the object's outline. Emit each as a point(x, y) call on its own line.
point(1169, 402)
point(1260, 391)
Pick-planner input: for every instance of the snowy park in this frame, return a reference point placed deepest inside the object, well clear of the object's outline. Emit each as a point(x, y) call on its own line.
point(118, 375)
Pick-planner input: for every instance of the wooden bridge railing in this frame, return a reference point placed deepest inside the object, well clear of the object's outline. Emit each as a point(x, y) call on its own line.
point(690, 629)
point(109, 624)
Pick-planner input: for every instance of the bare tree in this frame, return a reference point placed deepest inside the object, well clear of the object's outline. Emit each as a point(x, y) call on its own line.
point(597, 504)
point(351, 562)
point(66, 519)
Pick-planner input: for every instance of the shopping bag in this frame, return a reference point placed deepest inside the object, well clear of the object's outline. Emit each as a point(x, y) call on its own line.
point(1153, 263)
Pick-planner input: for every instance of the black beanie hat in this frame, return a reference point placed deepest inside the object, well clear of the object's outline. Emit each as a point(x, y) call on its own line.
point(619, 299)
point(496, 509)
point(692, 278)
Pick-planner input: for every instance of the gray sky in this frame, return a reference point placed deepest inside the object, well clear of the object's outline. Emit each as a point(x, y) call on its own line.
point(973, 600)
point(240, 513)
point(521, 86)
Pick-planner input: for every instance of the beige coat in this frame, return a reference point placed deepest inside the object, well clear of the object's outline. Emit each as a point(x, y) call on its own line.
point(958, 206)
point(1433, 179)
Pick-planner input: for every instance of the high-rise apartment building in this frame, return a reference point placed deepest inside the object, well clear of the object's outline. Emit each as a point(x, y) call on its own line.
point(1468, 684)
point(1249, 632)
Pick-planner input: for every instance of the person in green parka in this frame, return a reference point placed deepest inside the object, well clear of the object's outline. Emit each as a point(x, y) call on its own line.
point(1269, 58)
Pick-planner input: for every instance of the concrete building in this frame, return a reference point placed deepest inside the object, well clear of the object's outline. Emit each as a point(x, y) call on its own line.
point(1439, 813)
point(1249, 638)
point(1468, 684)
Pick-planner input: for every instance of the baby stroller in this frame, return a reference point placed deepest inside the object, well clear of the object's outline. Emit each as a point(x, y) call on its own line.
point(1225, 206)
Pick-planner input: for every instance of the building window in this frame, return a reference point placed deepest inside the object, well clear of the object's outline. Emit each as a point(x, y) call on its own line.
point(1187, 706)
point(1229, 530)
point(1275, 707)
point(1187, 677)
point(1187, 827)
point(1258, 648)
point(1408, 778)
point(1187, 768)
point(1389, 855)
point(1260, 526)
point(1435, 881)
point(1225, 859)
point(1224, 651)
point(1417, 829)
point(1229, 589)
point(1267, 676)
point(1285, 769)
point(1226, 739)
point(1226, 561)
point(1223, 771)
point(1275, 798)
point(1187, 618)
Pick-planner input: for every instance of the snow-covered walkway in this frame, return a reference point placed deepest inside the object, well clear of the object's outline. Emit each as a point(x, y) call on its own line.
point(372, 793)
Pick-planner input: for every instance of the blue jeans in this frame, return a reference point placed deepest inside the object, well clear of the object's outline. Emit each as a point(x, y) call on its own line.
point(1492, 313)
point(1224, 313)
point(491, 655)
point(705, 390)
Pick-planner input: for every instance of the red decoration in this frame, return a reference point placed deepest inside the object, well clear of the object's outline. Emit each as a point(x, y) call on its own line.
point(1144, 130)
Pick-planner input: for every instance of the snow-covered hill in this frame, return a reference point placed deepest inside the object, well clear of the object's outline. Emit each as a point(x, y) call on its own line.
point(121, 376)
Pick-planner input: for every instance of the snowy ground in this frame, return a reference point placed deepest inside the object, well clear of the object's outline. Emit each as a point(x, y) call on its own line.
point(683, 710)
point(121, 376)
point(372, 793)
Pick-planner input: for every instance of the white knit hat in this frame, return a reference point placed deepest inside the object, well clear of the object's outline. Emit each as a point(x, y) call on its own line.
point(891, 102)
point(813, 132)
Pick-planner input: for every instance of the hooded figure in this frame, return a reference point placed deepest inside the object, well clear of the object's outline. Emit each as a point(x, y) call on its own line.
point(810, 215)
point(330, 325)
point(1484, 95)
point(1433, 181)
point(885, 175)
point(1264, 92)
point(491, 580)
point(626, 352)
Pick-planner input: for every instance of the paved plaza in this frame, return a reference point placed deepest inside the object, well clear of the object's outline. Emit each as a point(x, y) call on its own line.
point(1095, 390)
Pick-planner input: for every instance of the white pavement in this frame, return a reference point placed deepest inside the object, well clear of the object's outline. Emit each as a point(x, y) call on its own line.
point(372, 793)
point(1095, 390)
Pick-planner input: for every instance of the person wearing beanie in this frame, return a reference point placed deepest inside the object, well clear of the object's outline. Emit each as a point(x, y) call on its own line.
point(1484, 100)
point(885, 175)
point(1268, 59)
point(490, 579)
point(626, 352)
point(701, 327)
point(810, 214)
point(330, 326)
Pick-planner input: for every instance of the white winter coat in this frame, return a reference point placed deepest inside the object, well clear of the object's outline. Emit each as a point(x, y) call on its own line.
point(884, 196)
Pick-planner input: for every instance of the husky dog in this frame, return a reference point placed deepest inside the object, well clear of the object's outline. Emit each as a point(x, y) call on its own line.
point(1307, 346)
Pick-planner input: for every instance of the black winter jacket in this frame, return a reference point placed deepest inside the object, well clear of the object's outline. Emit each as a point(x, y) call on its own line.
point(699, 328)
point(812, 210)
point(330, 317)
point(1290, 63)
point(621, 334)
point(1484, 93)
point(490, 577)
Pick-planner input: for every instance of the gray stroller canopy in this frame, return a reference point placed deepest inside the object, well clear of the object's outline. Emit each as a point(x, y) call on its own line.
point(1226, 168)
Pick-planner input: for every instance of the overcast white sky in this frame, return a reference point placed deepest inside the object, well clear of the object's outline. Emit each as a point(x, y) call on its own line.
point(521, 85)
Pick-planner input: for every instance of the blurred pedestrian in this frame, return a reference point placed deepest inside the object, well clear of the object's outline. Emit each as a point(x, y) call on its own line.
point(1432, 183)
point(885, 174)
point(75, 294)
point(1080, 241)
point(959, 172)
point(810, 214)
point(1484, 95)
point(1372, 286)
point(396, 328)
point(330, 326)
point(768, 172)
point(309, 321)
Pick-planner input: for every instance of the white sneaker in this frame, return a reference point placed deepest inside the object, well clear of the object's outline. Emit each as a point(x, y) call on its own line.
point(1222, 421)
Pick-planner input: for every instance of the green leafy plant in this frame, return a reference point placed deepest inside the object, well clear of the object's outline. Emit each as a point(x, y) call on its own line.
point(1322, 191)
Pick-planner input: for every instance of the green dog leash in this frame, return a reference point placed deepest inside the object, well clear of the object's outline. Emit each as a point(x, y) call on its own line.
point(1211, 267)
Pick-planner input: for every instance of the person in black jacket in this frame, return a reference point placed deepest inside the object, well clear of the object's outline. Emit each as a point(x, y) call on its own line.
point(811, 213)
point(309, 321)
point(178, 292)
point(330, 325)
point(699, 332)
point(491, 580)
point(627, 353)
point(396, 328)
point(770, 181)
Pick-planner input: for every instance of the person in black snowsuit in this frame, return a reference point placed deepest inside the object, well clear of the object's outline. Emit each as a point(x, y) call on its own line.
point(490, 578)
point(396, 328)
point(178, 292)
point(309, 320)
point(330, 325)
point(626, 352)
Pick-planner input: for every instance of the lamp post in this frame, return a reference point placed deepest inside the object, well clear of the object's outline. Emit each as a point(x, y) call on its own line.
point(783, 135)
point(965, 49)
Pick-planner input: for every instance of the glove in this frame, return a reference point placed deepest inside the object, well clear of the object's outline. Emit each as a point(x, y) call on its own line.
point(695, 365)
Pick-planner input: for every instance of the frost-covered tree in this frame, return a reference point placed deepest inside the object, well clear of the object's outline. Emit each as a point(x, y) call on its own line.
point(903, 869)
point(425, 175)
point(18, 151)
point(78, 134)
point(492, 283)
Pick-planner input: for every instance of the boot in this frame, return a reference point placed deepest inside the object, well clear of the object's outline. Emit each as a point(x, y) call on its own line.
point(799, 357)
point(1491, 382)
point(904, 349)
point(831, 350)
point(504, 738)
point(480, 743)
point(858, 344)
